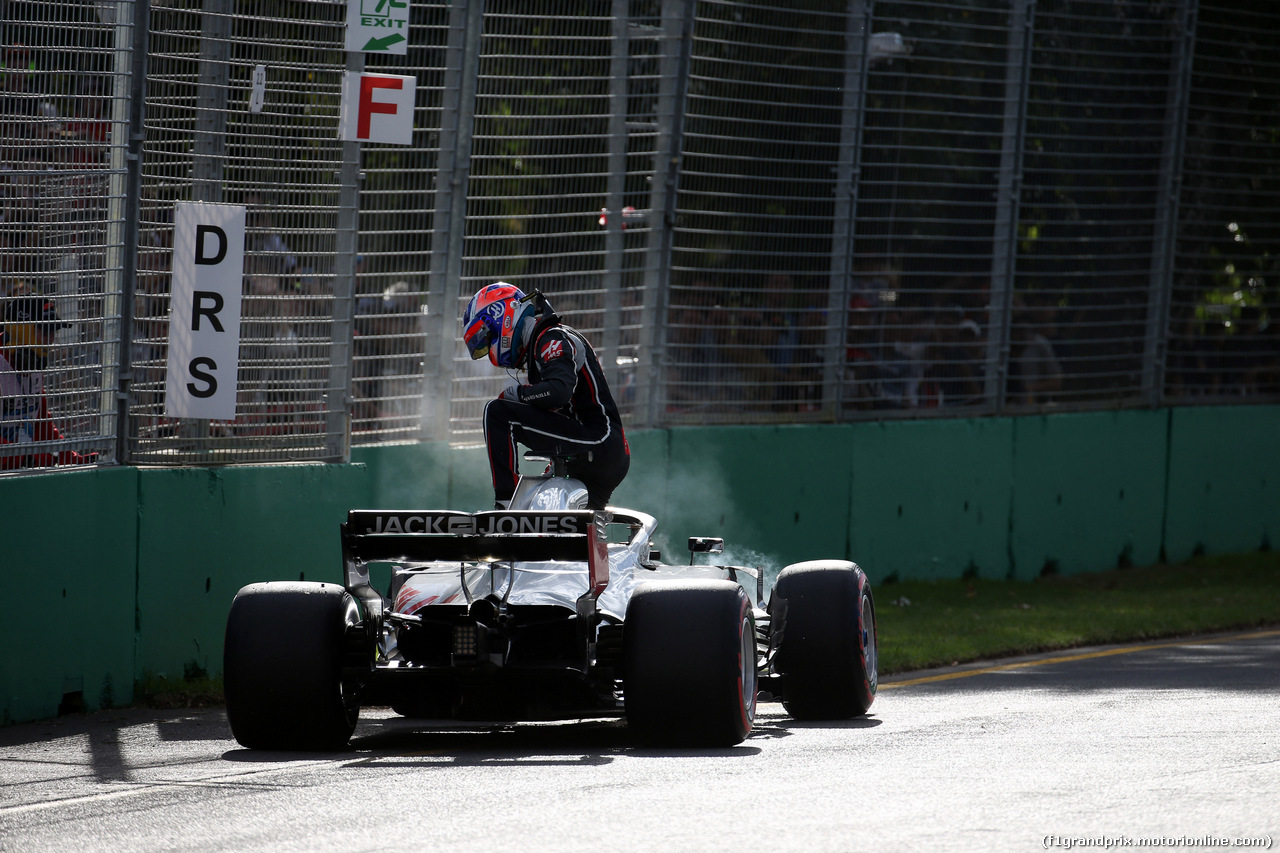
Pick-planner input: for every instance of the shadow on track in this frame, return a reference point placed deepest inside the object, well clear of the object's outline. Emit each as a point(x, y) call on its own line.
point(393, 741)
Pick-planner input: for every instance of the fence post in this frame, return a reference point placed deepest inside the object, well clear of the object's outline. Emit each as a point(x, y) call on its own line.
point(677, 29)
point(613, 244)
point(453, 170)
point(1164, 241)
point(346, 241)
point(857, 51)
point(1008, 194)
point(132, 42)
point(210, 143)
point(209, 148)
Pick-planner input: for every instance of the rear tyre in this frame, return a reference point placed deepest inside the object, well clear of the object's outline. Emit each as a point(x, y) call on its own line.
point(824, 635)
point(689, 663)
point(286, 660)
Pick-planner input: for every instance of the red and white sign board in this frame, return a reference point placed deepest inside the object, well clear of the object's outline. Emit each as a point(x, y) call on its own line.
point(204, 317)
point(377, 108)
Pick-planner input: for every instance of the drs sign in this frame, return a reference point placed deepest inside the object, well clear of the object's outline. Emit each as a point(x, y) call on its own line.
point(204, 322)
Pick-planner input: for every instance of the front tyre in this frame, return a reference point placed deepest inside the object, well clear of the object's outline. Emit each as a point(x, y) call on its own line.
point(286, 662)
point(689, 663)
point(824, 639)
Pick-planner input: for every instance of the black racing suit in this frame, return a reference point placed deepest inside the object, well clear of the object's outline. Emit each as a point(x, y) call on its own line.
point(565, 410)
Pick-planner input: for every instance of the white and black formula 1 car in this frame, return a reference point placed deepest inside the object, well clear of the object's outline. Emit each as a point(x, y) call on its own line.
point(547, 611)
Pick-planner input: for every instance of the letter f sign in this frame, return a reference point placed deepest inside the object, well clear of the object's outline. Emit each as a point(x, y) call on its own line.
point(377, 108)
point(368, 106)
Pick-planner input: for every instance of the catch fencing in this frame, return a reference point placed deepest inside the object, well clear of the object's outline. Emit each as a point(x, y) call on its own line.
point(759, 212)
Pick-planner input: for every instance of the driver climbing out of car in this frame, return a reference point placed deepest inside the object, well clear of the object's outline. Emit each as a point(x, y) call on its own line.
point(565, 409)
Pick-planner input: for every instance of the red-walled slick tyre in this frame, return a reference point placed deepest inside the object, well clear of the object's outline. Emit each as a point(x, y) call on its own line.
point(287, 646)
point(824, 638)
point(689, 663)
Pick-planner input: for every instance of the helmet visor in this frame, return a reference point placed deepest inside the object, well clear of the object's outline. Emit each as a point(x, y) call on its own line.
point(478, 337)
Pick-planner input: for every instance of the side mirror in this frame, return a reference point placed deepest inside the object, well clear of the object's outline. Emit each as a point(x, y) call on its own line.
point(704, 545)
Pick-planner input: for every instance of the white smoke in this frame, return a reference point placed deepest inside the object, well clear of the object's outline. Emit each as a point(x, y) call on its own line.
point(692, 501)
point(752, 559)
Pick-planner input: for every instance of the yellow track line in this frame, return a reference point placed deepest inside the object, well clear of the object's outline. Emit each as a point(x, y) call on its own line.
point(1123, 650)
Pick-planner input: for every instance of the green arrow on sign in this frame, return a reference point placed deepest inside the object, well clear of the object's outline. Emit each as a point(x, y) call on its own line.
point(383, 43)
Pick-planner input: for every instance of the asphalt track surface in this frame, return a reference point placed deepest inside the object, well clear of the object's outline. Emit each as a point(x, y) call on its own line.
point(1174, 743)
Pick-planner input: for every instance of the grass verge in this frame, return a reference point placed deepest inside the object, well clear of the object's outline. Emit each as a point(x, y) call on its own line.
point(924, 624)
point(192, 691)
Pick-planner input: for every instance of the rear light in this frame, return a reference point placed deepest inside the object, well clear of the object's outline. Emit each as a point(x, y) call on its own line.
point(466, 642)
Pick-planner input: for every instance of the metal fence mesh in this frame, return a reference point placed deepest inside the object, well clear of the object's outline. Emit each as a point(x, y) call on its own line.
point(396, 242)
point(751, 263)
point(1224, 329)
point(65, 96)
point(204, 143)
point(552, 152)
point(1098, 115)
point(758, 212)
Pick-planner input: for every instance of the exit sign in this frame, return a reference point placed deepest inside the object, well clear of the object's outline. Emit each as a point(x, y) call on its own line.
point(378, 26)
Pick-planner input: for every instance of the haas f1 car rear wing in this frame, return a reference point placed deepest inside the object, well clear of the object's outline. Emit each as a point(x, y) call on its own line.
point(376, 536)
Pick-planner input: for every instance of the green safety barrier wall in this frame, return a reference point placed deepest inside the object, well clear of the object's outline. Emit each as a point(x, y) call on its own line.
point(118, 573)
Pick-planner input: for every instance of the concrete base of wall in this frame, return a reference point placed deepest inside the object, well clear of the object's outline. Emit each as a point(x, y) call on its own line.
point(70, 557)
point(120, 572)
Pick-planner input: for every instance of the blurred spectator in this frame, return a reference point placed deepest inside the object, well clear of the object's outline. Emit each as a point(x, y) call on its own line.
point(270, 348)
point(389, 350)
point(30, 326)
point(692, 349)
point(874, 291)
point(89, 129)
point(1035, 373)
point(263, 238)
point(859, 355)
point(259, 329)
point(27, 122)
point(782, 314)
point(151, 315)
point(903, 359)
point(959, 356)
point(1256, 351)
point(15, 265)
point(793, 343)
point(749, 377)
point(402, 349)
